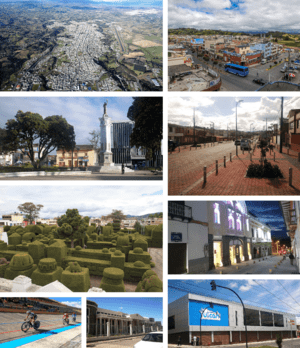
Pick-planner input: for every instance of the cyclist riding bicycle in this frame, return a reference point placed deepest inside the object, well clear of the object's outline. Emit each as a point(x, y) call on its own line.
point(66, 316)
point(74, 316)
point(31, 316)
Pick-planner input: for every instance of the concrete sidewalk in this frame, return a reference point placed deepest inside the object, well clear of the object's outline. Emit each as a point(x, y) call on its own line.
point(232, 181)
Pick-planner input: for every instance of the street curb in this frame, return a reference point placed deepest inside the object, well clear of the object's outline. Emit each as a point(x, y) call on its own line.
point(21, 174)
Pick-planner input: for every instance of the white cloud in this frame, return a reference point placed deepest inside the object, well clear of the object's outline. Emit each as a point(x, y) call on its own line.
point(95, 202)
point(248, 15)
point(72, 304)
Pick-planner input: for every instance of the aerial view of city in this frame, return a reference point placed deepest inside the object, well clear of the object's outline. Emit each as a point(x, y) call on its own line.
point(229, 46)
point(80, 46)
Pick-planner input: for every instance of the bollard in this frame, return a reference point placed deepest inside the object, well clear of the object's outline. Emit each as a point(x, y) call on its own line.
point(179, 148)
point(290, 176)
point(243, 151)
point(274, 156)
point(230, 157)
point(288, 151)
point(204, 175)
point(216, 167)
point(224, 161)
point(299, 157)
point(190, 147)
point(250, 157)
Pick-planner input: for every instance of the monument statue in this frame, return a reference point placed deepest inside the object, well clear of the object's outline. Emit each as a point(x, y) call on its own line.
point(105, 106)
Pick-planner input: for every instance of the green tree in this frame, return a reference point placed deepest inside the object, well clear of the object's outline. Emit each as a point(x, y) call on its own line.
point(147, 114)
point(116, 215)
point(30, 210)
point(137, 226)
point(28, 129)
point(72, 225)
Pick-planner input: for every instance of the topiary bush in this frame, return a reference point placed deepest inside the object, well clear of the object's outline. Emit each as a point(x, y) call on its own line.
point(37, 250)
point(14, 239)
point(20, 264)
point(3, 245)
point(149, 283)
point(118, 259)
point(76, 278)
point(57, 251)
point(134, 271)
point(3, 265)
point(47, 272)
point(29, 237)
point(112, 280)
point(139, 255)
point(141, 243)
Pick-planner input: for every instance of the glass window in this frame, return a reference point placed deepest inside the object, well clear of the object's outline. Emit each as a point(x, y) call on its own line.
point(266, 319)
point(230, 219)
point(252, 317)
point(171, 322)
point(278, 320)
point(216, 213)
point(238, 222)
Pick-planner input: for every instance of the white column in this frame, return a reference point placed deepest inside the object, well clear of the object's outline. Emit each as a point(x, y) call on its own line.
point(230, 336)
point(151, 328)
point(143, 328)
point(130, 327)
point(108, 328)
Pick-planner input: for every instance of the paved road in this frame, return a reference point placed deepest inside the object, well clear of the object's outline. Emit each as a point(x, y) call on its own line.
point(94, 176)
point(232, 82)
point(287, 343)
point(186, 167)
point(10, 328)
point(126, 343)
point(261, 266)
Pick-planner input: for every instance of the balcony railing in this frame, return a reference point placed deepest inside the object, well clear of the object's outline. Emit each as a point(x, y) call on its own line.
point(180, 210)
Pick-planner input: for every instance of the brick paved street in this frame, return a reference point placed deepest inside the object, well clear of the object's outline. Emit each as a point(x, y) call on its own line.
point(231, 180)
point(186, 166)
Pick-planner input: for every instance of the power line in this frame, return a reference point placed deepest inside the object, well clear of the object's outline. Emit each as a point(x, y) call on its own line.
point(273, 294)
point(289, 293)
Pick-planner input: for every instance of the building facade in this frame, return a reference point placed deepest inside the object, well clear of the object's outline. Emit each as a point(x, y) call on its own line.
point(121, 132)
point(294, 129)
point(106, 323)
point(291, 214)
point(223, 321)
point(83, 156)
point(206, 235)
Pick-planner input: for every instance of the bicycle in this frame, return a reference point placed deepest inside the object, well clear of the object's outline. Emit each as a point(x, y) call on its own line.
point(27, 325)
point(65, 321)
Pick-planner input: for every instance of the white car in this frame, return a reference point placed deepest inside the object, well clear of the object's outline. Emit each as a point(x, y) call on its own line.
point(152, 339)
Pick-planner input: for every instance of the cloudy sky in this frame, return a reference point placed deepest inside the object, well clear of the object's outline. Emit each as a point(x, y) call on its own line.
point(147, 307)
point(81, 112)
point(93, 201)
point(70, 301)
point(234, 15)
point(270, 213)
point(281, 295)
point(222, 111)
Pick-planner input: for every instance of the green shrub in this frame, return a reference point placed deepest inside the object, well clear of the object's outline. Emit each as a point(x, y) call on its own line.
point(118, 260)
point(152, 264)
point(57, 251)
point(14, 239)
point(148, 230)
point(36, 229)
point(112, 280)
point(267, 170)
point(3, 245)
point(47, 272)
point(3, 266)
point(29, 237)
point(6, 228)
point(149, 283)
point(139, 255)
point(141, 243)
point(37, 251)
point(134, 271)
point(76, 278)
point(20, 264)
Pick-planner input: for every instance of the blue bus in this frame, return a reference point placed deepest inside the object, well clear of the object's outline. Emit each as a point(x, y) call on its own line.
point(237, 69)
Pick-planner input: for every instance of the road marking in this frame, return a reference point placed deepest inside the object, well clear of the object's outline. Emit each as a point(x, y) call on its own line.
point(33, 338)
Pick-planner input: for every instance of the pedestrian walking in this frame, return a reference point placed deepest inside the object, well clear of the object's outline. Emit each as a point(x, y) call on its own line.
point(194, 340)
point(179, 341)
point(198, 341)
point(291, 257)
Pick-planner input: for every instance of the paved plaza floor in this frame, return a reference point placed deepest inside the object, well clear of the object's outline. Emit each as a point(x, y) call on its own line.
point(124, 343)
point(186, 174)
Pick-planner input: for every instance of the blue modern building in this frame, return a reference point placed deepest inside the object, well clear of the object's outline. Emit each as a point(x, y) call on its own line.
point(219, 322)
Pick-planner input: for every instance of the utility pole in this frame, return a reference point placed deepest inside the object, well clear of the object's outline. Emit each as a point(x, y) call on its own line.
point(281, 125)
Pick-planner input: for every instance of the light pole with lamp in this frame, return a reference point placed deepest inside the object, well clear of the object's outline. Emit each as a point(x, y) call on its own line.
point(212, 123)
point(201, 313)
point(236, 146)
point(214, 287)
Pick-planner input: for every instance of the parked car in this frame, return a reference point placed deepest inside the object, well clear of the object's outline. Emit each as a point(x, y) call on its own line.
point(152, 339)
point(283, 69)
point(260, 81)
point(237, 142)
point(245, 144)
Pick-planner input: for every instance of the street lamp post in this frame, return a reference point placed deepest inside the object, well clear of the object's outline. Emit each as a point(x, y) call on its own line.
point(213, 129)
point(236, 146)
point(214, 287)
point(201, 313)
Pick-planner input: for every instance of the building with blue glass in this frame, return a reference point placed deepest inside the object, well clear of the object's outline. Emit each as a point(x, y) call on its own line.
point(218, 322)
